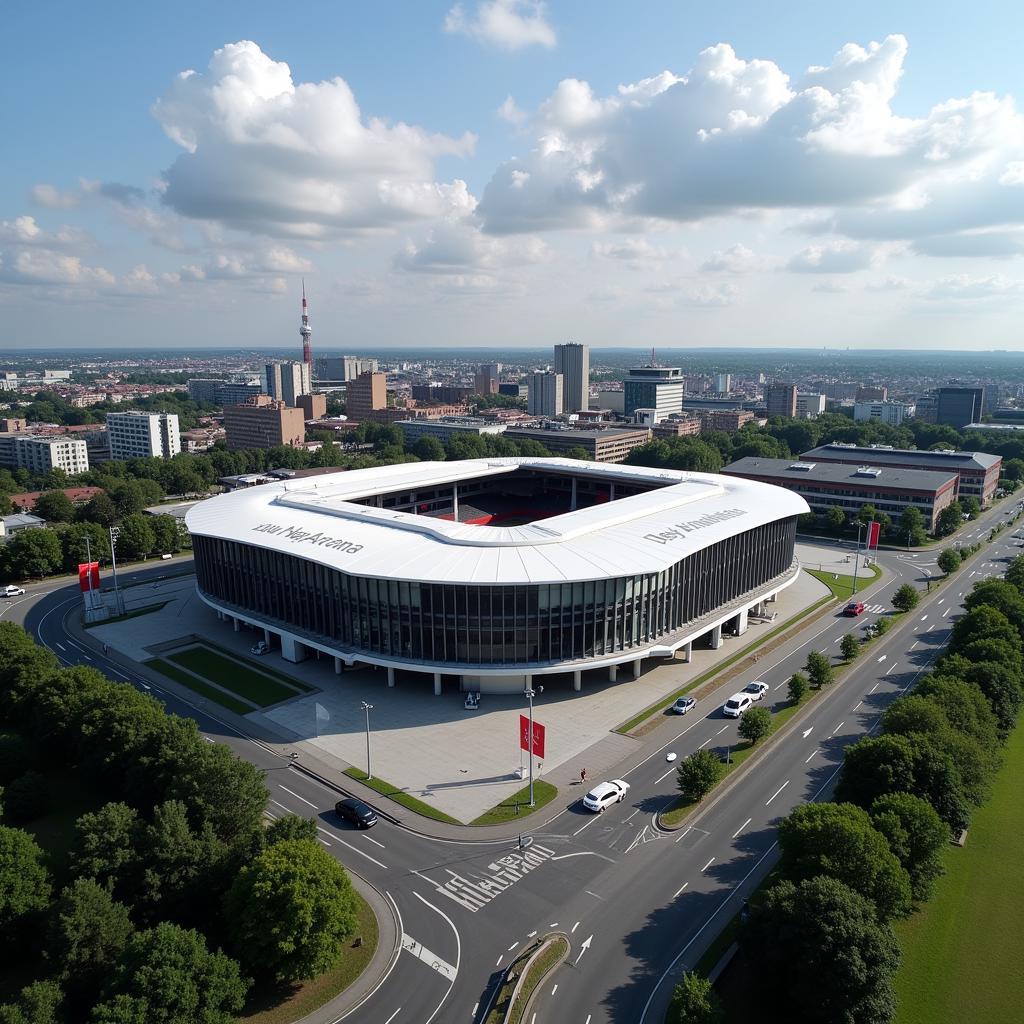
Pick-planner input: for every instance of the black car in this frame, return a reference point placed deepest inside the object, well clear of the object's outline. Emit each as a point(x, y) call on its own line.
point(356, 812)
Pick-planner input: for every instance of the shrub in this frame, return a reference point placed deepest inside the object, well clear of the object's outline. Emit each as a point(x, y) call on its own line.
point(27, 797)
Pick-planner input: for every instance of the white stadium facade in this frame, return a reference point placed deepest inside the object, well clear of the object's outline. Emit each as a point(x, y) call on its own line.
point(490, 572)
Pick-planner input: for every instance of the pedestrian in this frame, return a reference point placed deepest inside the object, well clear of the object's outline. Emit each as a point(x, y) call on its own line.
point(583, 775)
point(104, 648)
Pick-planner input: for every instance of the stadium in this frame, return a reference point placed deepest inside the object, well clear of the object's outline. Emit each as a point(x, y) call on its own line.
point(486, 573)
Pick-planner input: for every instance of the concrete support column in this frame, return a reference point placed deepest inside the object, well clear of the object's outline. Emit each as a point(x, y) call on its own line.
point(688, 652)
point(577, 680)
point(391, 675)
point(637, 665)
point(238, 624)
point(772, 599)
point(611, 493)
point(437, 684)
point(293, 650)
point(741, 622)
point(572, 499)
point(613, 673)
point(338, 663)
point(266, 636)
point(716, 638)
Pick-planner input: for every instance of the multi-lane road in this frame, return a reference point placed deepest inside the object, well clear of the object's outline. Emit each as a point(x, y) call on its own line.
point(638, 903)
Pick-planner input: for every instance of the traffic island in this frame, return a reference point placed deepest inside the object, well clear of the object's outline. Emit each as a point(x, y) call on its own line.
point(523, 977)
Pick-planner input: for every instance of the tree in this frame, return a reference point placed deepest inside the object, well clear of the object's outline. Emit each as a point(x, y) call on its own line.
point(838, 840)
point(165, 534)
point(1001, 595)
point(82, 542)
point(54, 507)
point(807, 521)
point(905, 599)
point(136, 539)
point(694, 1001)
point(99, 509)
point(835, 519)
point(33, 553)
point(912, 527)
point(290, 910)
point(15, 756)
point(290, 826)
point(798, 687)
point(915, 714)
point(755, 724)
point(984, 623)
point(916, 835)
point(697, 774)
point(87, 935)
point(24, 881)
point(24, 665)
point(106, 846)
point(849, 647)
point(950, 519)
point(39, 1003)
point(965, 706)
point(819, 669)
point(819, 949)
point(949, 560)
point(970, 506)
point(27, 797)
point(168, 976)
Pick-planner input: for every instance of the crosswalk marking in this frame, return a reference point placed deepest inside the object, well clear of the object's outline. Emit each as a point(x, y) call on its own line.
point(418, 950)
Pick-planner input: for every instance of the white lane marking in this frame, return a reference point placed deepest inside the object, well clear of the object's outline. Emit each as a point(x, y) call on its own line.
point(375, 843)
point(923, 617)
point(500, 958)
point(720, 731)
point(588, 824)
point(476, 1006)
point(574, 927)
point(914, 644)
point(709, 863)
point(741, 828)
point(513, 946)
point(288, 810)
point(594, 894)
point(946, 612)
point(637, 811)
point(858, 705)
point(362, 853)
point(324, 841)
point(883, 657)
point(530, 935)
point(838, 727)
point(677, 892)
point(554, 924)
point(56, 643)
point(686, 831)
point(776, 793)
point(458, 952)
point(554, 990)
point(875, 687)
point(393, 1016)
point(705, 743)
point(665, 776)
point(418, 950)
point(297, 797)
point(941, 600)
point(86, 656)
point(813, 752)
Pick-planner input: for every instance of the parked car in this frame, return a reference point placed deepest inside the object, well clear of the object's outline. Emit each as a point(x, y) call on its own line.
point(260, 647)
point(356, 813)
point(737, 704)
point(604, 794)
point(682, 705)
point(12, 591)
point(756, 689)
point(854, 608)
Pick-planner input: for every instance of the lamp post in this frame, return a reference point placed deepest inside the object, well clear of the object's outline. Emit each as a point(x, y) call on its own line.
point(367, 708)
point(530, 694)
point(856, 562)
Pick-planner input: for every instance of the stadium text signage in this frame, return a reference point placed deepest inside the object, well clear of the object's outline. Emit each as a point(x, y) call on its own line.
point(678, 530)
point(318, 539)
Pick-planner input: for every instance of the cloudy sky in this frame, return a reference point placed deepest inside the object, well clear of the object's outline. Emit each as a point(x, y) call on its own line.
point(509, 172)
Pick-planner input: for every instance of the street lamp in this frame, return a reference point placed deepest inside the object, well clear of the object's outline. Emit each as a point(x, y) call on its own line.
point(367, 708)
point(530, 693)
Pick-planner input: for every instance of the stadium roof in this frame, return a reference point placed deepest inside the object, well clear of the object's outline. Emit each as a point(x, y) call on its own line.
point(318, 520)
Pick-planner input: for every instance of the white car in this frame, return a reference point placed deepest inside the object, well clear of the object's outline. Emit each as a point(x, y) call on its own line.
point(604, 794)
point(260, 647)
point(12, 591)
point(737, 704)
point(756, 689)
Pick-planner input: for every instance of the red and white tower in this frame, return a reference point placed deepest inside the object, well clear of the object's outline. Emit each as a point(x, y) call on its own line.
point(306, 332)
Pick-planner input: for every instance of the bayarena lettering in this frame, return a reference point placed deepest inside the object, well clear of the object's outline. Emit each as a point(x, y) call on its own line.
point(490, 572)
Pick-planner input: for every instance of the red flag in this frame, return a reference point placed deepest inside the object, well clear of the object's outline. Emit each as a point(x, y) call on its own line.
point(874, 529)
point(538, 736)
point(89, 576)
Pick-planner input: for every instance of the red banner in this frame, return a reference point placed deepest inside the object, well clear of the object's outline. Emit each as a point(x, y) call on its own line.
point(524, 736)
point(874, 529)
point(87, 570)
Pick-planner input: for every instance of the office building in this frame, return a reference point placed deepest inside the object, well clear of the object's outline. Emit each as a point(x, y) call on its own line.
point(342, 368)
point(314, 407)
point(780, 400)
point(681, 426)
point(612, 400)
point(143, 435)
point(726, 420)
point(956, 407)
point(513, 389)
point(263, 423)
point(203, 389)
point(841, 392)
point(654, 387)
point(40, 453)
point(872, 394)
point(405, 572)
point(285, 382)
point(485, 381)
point(572, 361)
point(445, 429)
point(233, 392)
point(892, 413)
point(367, 392)
point(611, 445)
point(547, 394)
point(442, 394)
point(809, 406)
point(723, 383)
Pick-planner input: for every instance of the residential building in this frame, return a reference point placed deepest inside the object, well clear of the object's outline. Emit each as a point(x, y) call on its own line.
point(839, 391)
point(140, 435)
point(445, 429)
point(654, 387)
point(847, 487)
point(681, 426)
point(512, 388)
point(203, 389)
point(285, 382)
point(443, 394)
point(780, 400)
point(263, 423)
point(485, 382)
point(697, 384)
point(956, 406)
point(892, 413)
point(600, 445)
point(314, 407)
point(871, 394)
point(613, 401)
point(572, 361)
point(12, 524)
point(727, 420)
point(367, 392)
point(547, 394)
point(723, 383)
point(12, 425)
point(342, 368)
point(40, 453)
point(26, 501)
point(977, 472)
point(233, 392)
point(809, 406)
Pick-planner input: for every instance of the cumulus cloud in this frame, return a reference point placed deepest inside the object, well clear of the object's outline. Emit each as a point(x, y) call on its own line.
point(737, 259)
point(832, 258)
point(236, 265)
point(25, 231)
point(733, 135)
point(266, 155)
point(52, 198)
point(459, 248)
point(508, 24)
point(48, 267)
point(511, 112)
point(636, 253)
point(964, 288)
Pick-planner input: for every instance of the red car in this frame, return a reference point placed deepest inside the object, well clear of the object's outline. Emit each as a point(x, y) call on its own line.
point(854, 608)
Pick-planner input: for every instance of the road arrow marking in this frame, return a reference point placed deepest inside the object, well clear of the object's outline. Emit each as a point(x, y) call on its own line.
point(807, 732)
point(584, 948)
point(883, 657)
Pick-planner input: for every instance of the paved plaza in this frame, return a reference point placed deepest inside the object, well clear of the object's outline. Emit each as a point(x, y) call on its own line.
point(462, 762)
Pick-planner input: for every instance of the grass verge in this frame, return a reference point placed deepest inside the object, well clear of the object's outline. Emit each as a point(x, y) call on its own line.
point(240, 679)
point(282, 1005)
point(518, 804)
point(134, 614)
point(261, 667)
point(198, 686)
point(842, 586)
point(400, 796)
point(536, 973)
point(961, 952)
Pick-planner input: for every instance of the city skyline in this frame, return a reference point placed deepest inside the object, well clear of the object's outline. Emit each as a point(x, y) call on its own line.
point(689, 179)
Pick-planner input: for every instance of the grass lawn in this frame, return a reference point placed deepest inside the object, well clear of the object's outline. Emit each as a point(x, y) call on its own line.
point(255, 686)
point(198, 686)
point(275, 1005)
point(400, 796)
point(962, 951)
point(543, 793)
point(842, 586)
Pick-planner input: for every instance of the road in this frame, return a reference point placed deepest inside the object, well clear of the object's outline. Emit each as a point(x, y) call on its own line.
point(638, 903)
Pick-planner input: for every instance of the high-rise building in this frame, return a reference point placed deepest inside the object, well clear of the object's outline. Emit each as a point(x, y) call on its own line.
point(872, 394)
point(723, 383)
point(236, 393)
point(485, 381)
point(893, 413)
point(314, 407)
point(572, 361)
point(141, 435)
point(40, 454)
point(263, 423)
point(369, 391)
point(654, 387)
point(343, 368)
point(547, 394)
point(203, 389)
point(809, 405)
point(956, 406)
point(285, 382)
point(780, 399)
